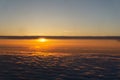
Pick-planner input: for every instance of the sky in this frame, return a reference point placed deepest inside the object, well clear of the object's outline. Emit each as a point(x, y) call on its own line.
point(60, 17)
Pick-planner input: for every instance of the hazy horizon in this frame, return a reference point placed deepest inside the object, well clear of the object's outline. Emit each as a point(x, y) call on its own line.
point(62, 37)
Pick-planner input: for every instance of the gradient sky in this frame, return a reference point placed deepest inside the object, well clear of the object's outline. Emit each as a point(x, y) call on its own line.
point(60, 17)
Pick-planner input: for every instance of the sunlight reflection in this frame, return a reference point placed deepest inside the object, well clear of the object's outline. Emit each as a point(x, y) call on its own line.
point(43, 54)
point(42, 40)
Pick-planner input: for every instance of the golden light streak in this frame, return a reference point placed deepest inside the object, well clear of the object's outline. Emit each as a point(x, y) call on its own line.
point(42, 40)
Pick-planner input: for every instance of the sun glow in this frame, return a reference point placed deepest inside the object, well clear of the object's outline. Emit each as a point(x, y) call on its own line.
point(42, 40)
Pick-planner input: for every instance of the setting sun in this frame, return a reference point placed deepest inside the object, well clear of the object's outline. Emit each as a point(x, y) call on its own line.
point(42, 40)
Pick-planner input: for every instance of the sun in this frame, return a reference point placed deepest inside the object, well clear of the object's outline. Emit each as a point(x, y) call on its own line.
point(42, 40)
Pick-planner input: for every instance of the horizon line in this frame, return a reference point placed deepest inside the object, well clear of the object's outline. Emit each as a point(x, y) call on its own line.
point(60, 37)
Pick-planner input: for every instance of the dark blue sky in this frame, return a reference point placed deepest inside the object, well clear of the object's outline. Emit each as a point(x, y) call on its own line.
point(60, 17)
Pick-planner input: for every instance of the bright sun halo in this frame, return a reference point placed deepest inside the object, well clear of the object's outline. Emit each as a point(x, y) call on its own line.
point(42, 40)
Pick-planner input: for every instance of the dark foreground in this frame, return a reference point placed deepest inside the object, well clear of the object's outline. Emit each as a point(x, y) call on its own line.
point(91, 67)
